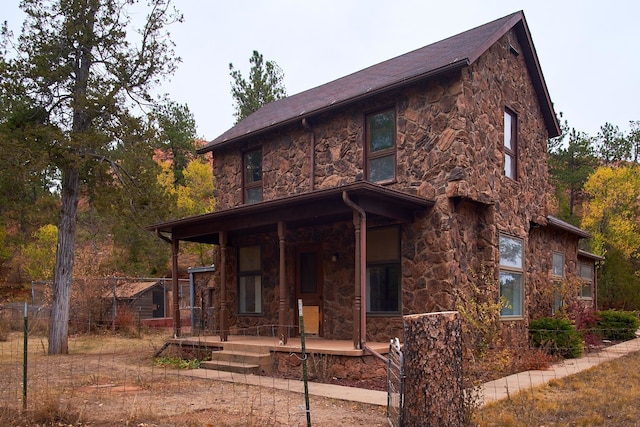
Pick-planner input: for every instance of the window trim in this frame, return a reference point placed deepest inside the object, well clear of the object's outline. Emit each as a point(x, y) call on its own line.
point(386, 152)
point(516, 270)
point(512, 152)
point(587, 281)
point(250, 273)
point(396, 262)
point(254, 184)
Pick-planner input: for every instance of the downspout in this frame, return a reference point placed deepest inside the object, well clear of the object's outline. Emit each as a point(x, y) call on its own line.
point(312, 165)
point(362, 267)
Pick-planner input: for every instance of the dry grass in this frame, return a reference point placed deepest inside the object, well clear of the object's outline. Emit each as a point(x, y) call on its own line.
point(112, 381)
point(606, 395)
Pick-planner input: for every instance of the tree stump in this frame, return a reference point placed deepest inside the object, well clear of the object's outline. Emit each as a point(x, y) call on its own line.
point(433, 392)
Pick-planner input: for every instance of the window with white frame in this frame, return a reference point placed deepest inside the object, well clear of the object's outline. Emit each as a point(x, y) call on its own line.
point(511, 275)
point(383, 270)
point(585, 272)
point(249, 280)
point(510, 144)
point(557, 273)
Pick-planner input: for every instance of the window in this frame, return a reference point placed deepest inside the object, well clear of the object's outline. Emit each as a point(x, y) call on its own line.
point(249, 280)
point(511, 275)
point(381, 146)
point(510, 144)
point(558, 274)
point(383, 270)
point(252, 165)
point(585, 272)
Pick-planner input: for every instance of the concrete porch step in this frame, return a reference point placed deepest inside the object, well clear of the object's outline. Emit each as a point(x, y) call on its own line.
point(241, 360)
point(240, 368)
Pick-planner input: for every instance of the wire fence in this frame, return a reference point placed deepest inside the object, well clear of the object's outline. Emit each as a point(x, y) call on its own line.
point(115, 379)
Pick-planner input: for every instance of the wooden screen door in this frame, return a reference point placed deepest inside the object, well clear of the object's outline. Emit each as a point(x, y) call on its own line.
point(309, 288)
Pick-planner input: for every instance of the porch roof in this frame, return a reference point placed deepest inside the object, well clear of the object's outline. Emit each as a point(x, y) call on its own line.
point(315, 207)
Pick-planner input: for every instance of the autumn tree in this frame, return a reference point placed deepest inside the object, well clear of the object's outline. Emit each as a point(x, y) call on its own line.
point(177, 133)
point(612, 215)
point(265, 85)
point(79, 64)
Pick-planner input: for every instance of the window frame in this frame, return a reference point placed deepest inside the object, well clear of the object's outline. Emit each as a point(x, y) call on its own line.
point(510, 152)
point(384, 263)
point(557, 282)
point(251, 185)
point(513, 270)
point(255, 273)
point(383, 153)
point(587, 281)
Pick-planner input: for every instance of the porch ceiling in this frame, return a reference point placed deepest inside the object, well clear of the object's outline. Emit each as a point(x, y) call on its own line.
point(316, 207)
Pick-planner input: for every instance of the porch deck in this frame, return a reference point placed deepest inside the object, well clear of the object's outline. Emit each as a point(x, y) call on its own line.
point(271, 344)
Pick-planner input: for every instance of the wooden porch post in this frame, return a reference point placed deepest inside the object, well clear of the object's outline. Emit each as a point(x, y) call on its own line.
point(357, 303)
point(177, 332)
point(224, 330)
point(282, 306)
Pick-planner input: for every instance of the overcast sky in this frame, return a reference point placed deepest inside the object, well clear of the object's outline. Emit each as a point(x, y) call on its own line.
point(588, 50)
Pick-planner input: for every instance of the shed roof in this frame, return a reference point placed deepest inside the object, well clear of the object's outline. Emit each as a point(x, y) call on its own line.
point(130, 290)
point(452, 53)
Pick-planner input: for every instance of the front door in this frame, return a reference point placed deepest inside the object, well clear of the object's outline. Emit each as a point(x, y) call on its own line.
point(309, 287)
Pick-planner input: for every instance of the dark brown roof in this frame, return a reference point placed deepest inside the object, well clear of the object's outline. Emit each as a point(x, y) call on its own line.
point(558, 223)
point(454, 52)
point(315, 207)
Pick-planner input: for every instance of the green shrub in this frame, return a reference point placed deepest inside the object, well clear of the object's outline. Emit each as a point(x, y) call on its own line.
point(557, 336)
point(618, 325)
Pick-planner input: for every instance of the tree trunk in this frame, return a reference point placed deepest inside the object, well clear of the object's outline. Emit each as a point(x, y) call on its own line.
point(63, 273)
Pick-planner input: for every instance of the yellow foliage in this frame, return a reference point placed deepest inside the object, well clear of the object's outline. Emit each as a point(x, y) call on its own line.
point(612, 213)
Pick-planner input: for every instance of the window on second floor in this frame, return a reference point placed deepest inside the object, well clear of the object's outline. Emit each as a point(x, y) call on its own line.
point(511, 275)
point(510, 144)
point(381, 146)
point(252, 177)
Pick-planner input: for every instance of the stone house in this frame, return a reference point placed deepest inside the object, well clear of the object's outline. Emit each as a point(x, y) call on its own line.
point(385, 192)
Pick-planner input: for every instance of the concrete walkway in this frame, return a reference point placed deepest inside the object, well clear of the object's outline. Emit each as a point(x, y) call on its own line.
point(504, 387)
point(491, 391)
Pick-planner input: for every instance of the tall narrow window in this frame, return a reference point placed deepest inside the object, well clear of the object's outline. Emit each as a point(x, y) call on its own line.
point(381, 146)
point(585, 272)
point(510, 144)
point(249, 280)
point(383, 270)
point(252, 178)
point(511, 275)
point(558, 276)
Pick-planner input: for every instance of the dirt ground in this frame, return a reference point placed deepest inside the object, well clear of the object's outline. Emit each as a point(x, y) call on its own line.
point(113, 381)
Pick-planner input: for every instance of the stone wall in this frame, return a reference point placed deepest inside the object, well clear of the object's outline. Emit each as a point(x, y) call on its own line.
point(449, 150)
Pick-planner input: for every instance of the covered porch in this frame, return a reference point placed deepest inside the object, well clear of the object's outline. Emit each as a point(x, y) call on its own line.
point(289, 228)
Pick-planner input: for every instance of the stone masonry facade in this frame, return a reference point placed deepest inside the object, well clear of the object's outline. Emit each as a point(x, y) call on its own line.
point(449, 139)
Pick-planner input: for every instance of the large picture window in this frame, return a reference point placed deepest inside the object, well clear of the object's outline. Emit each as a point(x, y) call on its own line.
point(381, 146)
point(383, 270)
point(511, 275)
point(252, 177)
point(510, 144)
point(249, 280)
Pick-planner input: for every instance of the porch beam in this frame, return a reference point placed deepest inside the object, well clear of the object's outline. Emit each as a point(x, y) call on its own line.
point(282, 306)
point(177, 330)
point(224, 330)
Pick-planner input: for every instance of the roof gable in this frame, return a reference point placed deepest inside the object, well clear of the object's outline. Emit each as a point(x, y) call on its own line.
point(454, 52)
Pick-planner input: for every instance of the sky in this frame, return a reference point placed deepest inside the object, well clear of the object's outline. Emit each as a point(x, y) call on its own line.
point(588, 50)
